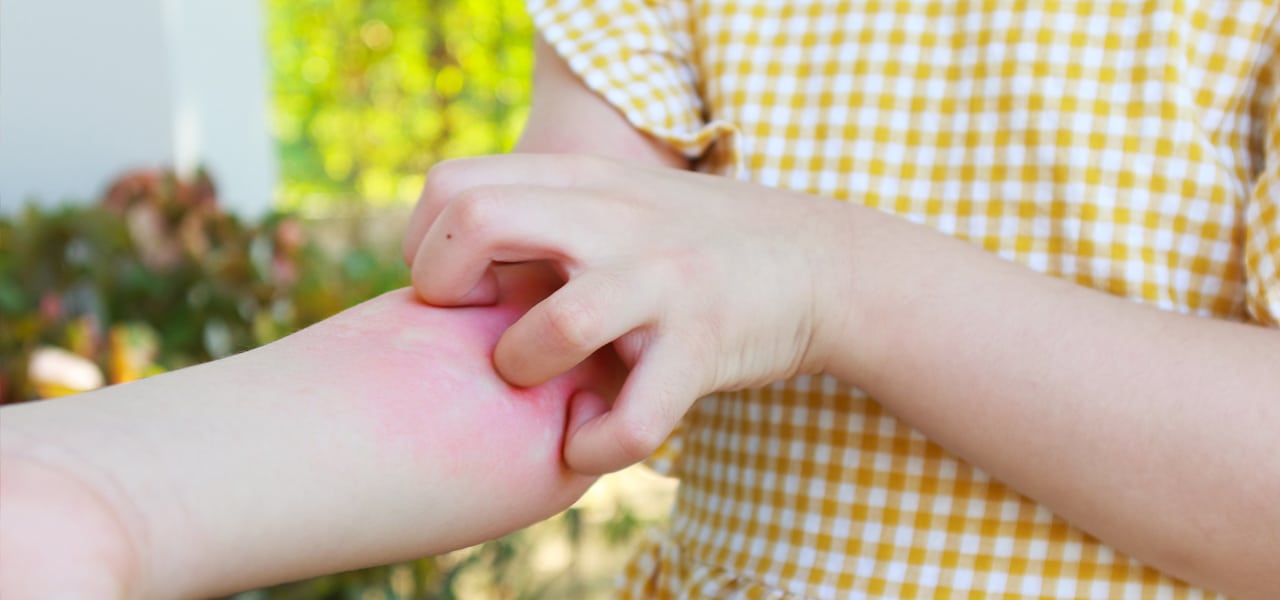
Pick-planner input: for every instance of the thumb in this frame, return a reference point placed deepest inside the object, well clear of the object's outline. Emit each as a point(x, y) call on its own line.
point(659, 391)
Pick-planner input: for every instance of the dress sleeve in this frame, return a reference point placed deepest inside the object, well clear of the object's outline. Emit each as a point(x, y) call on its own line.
point(638, 55)
point(1262, 215)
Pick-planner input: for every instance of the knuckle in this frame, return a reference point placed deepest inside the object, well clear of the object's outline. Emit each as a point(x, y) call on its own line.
point(684, 267)
point(474, 210)
point(573, 322)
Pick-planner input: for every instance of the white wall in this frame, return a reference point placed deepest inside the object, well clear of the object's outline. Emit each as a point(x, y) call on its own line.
point(90, 88)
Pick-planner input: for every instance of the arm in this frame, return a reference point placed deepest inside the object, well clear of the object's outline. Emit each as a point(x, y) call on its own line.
point(567, 117)
point(381, 434)
point(1155, 431)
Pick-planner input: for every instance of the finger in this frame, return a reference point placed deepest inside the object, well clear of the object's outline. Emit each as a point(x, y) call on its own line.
point(583, 407)
point(506, 224)
point(444, 181)
point(420, 220)
point(525, 284)
point(450, 178)
point(586, 314)
point(484, 293)
point(659, 391)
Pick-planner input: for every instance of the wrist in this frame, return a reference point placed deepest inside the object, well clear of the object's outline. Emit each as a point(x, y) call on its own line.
point(859, 298)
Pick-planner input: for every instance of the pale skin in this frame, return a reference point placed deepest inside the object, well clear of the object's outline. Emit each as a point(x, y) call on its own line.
point(379, 435)
point(1151, 430)
point(1157, 432)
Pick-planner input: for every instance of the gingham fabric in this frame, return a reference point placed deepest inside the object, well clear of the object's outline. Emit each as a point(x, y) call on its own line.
point(1129, 146)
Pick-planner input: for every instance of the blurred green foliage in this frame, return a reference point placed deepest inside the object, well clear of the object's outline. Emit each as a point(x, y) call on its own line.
point(370, 93)
point(158, 277)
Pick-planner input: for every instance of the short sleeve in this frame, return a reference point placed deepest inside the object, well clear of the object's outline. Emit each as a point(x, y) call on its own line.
point(637, 54)
point(1262, 215)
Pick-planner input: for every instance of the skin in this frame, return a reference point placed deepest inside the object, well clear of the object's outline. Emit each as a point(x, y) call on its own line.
point(1164, 445)
point(379, 435)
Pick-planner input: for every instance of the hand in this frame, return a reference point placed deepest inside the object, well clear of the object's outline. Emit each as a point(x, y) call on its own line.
point(702, 283)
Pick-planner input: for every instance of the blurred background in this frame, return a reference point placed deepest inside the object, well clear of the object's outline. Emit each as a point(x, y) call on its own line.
point(181, 180)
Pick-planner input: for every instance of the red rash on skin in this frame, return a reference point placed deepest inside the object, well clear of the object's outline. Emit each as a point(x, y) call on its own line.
point(426, 385)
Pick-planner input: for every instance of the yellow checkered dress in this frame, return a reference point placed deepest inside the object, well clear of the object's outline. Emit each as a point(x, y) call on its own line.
point(1128, 146)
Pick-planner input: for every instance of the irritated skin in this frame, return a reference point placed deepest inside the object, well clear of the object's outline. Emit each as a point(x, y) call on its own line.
point(378, 435)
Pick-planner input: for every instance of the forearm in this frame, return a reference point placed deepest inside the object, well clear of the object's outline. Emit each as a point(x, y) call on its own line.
point(380, 435)
point(179, 461)
point(1156, 432)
